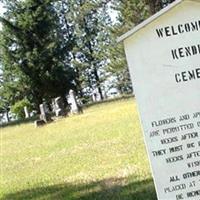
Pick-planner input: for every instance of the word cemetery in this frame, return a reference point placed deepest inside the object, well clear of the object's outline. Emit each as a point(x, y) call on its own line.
point(163, 55)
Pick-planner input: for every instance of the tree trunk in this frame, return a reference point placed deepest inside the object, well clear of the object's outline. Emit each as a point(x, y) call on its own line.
point(78, 84)
point(38, 100)
point(7, 116)
point(154, 6)
point(119, 87)
point(98, 83)
point(151, 4)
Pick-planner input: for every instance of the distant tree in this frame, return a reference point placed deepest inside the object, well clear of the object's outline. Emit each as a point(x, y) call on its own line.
point(130, 14)
point(90, 53)
point(9, 92)
point(4, 109)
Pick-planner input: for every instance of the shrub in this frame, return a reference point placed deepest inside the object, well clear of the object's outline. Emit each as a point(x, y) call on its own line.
point(18, 108)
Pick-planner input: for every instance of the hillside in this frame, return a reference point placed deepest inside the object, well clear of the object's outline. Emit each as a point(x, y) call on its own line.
point(99, 155)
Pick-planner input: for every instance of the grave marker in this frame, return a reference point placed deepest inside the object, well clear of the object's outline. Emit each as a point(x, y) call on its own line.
point(27, 114)
point(163, 55)
point(44, 115)
point(59, 107)
point(75, 108)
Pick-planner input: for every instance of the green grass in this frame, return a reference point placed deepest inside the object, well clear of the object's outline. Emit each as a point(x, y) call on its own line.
point(99, 155)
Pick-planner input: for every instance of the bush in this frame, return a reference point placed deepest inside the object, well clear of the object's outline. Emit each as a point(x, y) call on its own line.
point(18, 108)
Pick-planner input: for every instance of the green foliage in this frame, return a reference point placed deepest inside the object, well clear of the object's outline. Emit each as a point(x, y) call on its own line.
point(49, 47)
point(18, 108)
point(130, 14)
point(33, 52)
point(155, 5)
point(91, 21)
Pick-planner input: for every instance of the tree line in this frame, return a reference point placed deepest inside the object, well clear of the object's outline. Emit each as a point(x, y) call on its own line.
point(48, 47)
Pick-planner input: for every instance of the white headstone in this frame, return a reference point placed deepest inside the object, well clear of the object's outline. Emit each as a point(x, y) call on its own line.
point(27, 114)
point(46, 108)
point(96, 96)
point(73, 102)
point(44, 114)
point(59, 107)
point(42, 109)
point(163, 55)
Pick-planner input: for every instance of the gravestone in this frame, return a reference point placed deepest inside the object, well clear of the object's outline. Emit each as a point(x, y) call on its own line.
point(94, 96)
point(44, 114)
point(75, 107)
point(59, 108)
point(46, 107)
point(27, 114)
point(163, 55)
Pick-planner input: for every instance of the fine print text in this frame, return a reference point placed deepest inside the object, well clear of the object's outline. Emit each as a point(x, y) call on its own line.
point(180, 141)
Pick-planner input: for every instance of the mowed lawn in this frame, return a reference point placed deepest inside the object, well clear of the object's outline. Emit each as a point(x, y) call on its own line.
point(99, 155)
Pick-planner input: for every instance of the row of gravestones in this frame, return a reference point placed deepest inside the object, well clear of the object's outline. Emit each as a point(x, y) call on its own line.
point(58, 108)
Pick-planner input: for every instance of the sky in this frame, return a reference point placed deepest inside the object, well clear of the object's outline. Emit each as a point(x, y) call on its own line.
point(1, 11)
point(113, 13)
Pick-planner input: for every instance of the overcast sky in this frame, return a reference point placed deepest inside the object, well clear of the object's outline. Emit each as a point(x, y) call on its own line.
point(1, 9)
point(113, 13)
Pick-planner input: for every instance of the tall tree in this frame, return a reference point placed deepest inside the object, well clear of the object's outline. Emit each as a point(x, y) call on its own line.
point(89, 55)
point(32, 47)
point(130, 14)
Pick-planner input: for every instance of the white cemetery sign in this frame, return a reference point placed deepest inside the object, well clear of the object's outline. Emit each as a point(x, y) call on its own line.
point(163, 55)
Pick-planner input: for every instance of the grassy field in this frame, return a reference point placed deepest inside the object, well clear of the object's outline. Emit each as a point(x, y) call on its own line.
point(99, 155)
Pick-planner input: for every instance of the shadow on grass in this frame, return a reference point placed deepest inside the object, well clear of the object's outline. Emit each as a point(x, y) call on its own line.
point(19, 122)
point(108, 189)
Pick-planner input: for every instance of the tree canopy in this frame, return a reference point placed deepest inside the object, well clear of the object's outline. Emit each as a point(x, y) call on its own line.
point(48, 47)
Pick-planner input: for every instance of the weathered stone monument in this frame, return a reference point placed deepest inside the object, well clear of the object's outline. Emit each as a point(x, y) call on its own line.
point(46, 107)
point(58, 107)
point(163, 55)
point(94, 96)
point(75, 107)
point(26, 111)
point(44, 113)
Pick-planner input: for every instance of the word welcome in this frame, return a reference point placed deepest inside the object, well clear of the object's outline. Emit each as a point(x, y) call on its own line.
point(179, 29)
